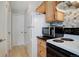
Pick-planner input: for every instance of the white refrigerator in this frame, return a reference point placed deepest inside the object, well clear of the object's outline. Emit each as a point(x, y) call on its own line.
point(38, 21)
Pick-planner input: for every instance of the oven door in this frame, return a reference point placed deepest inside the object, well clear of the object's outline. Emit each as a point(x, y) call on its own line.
point(54, 51)
point(51, 52)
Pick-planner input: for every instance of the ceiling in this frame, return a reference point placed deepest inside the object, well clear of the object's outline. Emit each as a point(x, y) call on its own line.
point(22, 6)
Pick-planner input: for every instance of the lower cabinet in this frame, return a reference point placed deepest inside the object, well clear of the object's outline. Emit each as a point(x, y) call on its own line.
point(41, 48)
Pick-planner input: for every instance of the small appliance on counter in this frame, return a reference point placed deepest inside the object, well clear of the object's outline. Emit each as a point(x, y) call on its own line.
point(53, 32)
point(67, 46)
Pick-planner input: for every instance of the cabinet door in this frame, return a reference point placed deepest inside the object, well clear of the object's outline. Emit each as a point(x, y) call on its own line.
point(42, 8)
point(50, 11)
point(59, 16)
point(41, 48)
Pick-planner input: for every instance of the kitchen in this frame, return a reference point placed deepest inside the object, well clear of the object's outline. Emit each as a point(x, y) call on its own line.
point(60, 38)
point(39, 29)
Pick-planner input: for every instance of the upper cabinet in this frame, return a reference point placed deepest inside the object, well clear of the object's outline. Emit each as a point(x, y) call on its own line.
point(59, 15)
point(52, 13)
point(42, 8)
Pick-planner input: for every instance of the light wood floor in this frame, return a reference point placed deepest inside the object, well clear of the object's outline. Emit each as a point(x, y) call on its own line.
point(18, 51)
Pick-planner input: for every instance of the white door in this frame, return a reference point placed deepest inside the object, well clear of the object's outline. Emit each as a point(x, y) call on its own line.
point(17, 29)
point(28, 33)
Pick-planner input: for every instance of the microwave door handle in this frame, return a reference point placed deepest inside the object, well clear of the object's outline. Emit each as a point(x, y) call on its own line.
point(54, 31)
point(49, 30)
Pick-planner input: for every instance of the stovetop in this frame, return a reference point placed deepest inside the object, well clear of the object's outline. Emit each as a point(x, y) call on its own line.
point(72, 45)
point(61, 40)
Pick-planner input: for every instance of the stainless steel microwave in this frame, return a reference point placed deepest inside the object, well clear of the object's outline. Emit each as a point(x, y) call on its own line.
point(51, 32)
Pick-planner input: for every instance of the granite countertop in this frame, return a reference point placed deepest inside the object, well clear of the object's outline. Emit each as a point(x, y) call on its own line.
point(43, 38)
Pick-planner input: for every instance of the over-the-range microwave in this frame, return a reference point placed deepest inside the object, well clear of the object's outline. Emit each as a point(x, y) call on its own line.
point(53, 32)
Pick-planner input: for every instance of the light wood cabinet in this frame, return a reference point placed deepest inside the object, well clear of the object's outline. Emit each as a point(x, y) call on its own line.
point(59, 16)
point(50, 11)
point(42, 8)
point(41, 48)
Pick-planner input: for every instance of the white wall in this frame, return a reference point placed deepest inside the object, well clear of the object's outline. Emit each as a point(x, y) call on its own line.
point(28, 23)
point(3, 21)
point(17, 29)
point(4, 13)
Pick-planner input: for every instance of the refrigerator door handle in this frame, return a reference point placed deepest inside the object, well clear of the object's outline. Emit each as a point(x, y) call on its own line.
point(25, 32)
point(30, 27)
point(9, 32)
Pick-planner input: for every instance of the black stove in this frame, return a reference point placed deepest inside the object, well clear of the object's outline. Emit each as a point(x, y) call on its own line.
point(55, 51)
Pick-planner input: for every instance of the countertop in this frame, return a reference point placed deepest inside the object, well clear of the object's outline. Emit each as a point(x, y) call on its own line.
point(72, 46)
point(43, 38)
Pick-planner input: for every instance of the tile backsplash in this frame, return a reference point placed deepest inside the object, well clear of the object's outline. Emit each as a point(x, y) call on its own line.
point(71, 19)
